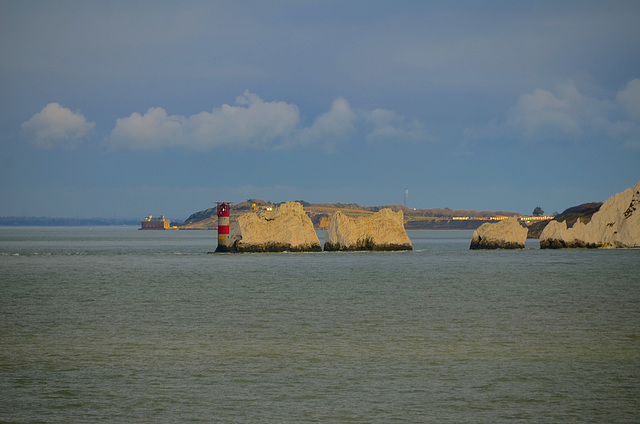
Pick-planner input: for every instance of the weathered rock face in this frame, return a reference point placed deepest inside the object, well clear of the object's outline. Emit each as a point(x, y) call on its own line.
point(506, 234)
point(616, 224)
point(383, 230)
point(287, 228)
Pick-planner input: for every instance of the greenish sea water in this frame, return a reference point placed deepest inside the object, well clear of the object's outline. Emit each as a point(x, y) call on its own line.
point(120, 325)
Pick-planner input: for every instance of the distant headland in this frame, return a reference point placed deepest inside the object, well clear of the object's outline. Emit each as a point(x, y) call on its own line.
point(321, 215)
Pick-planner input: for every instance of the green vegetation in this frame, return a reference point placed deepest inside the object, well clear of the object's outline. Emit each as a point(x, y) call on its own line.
point(199, 216)
point(321, 213)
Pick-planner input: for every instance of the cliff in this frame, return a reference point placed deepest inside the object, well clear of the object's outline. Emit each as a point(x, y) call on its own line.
point(287, 228)
point(506, 234)
point(615, 224)
point(383, 230)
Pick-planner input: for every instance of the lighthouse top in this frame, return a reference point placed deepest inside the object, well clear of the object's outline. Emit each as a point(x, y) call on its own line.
point(224, 208)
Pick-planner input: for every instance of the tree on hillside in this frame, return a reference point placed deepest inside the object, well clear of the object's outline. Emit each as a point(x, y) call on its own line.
point(537, 211)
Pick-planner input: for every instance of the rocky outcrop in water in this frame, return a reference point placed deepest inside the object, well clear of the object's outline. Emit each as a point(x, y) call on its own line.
point(383, 230)
point(505, 234)
point(615, 224)
point(287, 228)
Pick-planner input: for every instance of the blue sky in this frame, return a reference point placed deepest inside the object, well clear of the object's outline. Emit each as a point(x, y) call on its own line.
point(125, 109)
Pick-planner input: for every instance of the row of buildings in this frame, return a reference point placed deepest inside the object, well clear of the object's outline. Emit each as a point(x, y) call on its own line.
point(500, 218)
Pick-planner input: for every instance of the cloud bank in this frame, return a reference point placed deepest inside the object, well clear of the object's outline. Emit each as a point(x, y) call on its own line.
point(57, 126)
point(567, 115)
point(629, 100)
point(251, 122)
point(571, 115)
point(388, 126)
point(254, 123)
point(563, 115)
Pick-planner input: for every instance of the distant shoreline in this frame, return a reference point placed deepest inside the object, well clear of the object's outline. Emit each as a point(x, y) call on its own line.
point(415, 219)
point(32, 221)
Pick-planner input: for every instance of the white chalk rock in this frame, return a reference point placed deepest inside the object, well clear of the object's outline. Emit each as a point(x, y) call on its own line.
point(505, 234)
point(287, 228)
point(616, 224)
point(383, 230)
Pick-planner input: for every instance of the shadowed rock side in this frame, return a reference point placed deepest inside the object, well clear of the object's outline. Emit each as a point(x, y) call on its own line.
point(535, 229)
point(287, 228)
point(616, 224)
point(506, 234)
point(582, 212)
point(383, 230)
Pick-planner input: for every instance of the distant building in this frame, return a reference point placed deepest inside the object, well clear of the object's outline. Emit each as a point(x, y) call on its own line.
point(151, 223)
point(535, 218)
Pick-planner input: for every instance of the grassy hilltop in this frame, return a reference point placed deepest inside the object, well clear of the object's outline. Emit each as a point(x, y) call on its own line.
point(321, 213)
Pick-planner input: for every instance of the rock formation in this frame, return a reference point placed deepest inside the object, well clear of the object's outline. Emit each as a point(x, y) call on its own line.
point(287, 228)
point(616, 224)
point(505, 234)
point(383, 230)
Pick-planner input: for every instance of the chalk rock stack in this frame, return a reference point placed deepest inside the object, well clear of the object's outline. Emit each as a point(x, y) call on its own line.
point(287, 228)
point(616, 224)
point(505, 234)
point(383, 230)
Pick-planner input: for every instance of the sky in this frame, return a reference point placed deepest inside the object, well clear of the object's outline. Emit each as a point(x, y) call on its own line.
point(123, 109)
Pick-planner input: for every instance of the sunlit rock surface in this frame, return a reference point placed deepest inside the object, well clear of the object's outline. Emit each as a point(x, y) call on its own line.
point(616, 224)
point(505, 234)
point(287, 228)
point(383, 230)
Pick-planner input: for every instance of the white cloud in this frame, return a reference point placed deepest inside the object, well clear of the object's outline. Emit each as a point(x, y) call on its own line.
point(389, 126)
point(567, 115)
point(328, 129)
point(629, 100)
point(150, 130)
point(56, 125)
point(254, 123)
point(550, 115)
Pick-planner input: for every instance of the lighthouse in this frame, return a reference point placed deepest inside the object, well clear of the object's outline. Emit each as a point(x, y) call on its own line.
point(224, 241)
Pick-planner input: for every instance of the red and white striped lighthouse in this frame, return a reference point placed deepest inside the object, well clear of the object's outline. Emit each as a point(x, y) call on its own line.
point(224, 240)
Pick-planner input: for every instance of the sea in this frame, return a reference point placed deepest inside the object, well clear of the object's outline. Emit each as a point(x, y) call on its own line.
point(116, 325)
